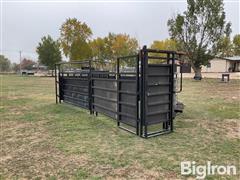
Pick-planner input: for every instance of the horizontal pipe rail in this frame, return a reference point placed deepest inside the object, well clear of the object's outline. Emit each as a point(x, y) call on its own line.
point(77, 78)
point(157, 94)
point(105, 89)
point(161, 51)
point(103, 107)
point(103, 79)
point(73, 85)
point(158, 103)
point(157, 112)
point(126, 104)
point(157, 57)
point(105, 98)
point(127, 92)
point(77, 92)
point(128, 130)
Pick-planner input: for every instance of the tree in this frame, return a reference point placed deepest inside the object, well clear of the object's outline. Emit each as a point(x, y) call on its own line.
point(99, 48)
point(198, 31)
point(121, 45)
point(4, 64)
point(224, 47)
point(80, 50)
point(100, 51)
point(74, 39)
point(49, 52)
point(15, 67)
point(236, 44)
point(167, 44)
point(113, 46)
point(27, 64)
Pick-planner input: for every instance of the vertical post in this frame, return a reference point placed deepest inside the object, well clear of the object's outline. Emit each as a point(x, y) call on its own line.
point(118, 93)
point(172, 91)
point(56, 91)
point(90, 87)
point(137, 94)
point(180, 57)
point(59, 84)
point(143, 93)
point(166, 124)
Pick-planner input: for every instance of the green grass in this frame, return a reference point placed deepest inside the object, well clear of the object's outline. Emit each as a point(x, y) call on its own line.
point(43, 140)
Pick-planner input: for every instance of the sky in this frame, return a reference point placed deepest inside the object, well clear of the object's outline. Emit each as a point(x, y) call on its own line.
point(24, 23)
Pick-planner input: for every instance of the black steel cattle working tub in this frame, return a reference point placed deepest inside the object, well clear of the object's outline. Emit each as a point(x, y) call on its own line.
point(139, 91)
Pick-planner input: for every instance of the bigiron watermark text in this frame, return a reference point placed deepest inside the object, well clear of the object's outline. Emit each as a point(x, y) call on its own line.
point(201, 171)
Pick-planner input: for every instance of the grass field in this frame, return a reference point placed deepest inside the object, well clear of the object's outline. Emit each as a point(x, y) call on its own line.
point(42, 140)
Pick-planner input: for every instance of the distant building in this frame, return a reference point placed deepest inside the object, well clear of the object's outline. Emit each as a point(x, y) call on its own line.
point(227, 64)
point(39, 67)
point(218, 64)
point(35, 69)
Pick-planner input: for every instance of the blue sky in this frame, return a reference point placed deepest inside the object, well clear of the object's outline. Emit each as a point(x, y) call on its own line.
point(24, 23)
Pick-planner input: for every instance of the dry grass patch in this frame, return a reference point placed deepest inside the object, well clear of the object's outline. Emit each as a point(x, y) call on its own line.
point(42, 140)
point(28, 151)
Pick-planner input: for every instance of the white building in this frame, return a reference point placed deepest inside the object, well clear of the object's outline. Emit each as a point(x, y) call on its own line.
point(227, 64)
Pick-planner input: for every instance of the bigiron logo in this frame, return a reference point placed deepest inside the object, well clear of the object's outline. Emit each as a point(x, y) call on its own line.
point(201, 171)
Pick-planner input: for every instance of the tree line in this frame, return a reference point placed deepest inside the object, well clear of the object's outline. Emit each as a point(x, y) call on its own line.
point(77, 44)
point(201, 31)
point(7, 66)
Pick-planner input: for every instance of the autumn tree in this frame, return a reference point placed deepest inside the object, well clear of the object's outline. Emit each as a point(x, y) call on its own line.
point(113, 46)
point(74, 39)
point(100, 48)
point(167, 44)
point(49, 52)
point(198, 30)
point(100, 51)
point(121, 45)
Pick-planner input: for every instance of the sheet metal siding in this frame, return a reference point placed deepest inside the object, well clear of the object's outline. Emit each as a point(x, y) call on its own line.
point(158, 92)
point(104, 96)
point(74, 90)
point(128, 101)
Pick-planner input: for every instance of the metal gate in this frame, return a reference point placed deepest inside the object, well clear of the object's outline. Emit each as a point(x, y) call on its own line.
point(128, 93)
point(157, 92)
point(139, 93)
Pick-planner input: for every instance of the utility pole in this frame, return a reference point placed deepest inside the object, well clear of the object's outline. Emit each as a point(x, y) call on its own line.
point(20, 58)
